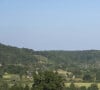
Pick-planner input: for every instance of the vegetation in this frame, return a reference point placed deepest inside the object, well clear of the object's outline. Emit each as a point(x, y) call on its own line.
point(26, 69)
point(47, 80)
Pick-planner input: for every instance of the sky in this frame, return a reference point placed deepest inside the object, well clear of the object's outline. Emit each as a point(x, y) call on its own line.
point(50, 24)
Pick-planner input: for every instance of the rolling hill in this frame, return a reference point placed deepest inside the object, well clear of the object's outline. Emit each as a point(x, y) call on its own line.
point(14, 55)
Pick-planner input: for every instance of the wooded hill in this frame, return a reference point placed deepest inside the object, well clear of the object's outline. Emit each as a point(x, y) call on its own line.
point(58, 59)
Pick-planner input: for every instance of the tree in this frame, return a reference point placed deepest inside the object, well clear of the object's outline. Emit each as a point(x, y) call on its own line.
point(3, 86)
point(98, 75)
point(16, 87)
point(93, 87)
point(82, 88)
point(48, 81)
point(26, 87)
point(87, 77)
point(72, 87)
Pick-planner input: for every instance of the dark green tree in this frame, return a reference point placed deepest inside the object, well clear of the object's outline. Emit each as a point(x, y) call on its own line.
point(73, 87)
point(16, 87)
point(48, 81)
point(26, 87)
point(87, 77)
point(98, 75)
point(93, 87)
point(82, 88)
point(3, 86)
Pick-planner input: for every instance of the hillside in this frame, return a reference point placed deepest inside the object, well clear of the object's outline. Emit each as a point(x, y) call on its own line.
point(14, 55)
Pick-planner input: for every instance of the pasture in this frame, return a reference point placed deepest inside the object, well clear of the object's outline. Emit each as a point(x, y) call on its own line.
point(82, 84)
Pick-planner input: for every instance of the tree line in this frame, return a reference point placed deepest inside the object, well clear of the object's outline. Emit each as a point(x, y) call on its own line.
point(71, 87)
point(47, 80)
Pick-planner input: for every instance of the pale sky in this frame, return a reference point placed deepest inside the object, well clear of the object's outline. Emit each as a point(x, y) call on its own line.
point(50, 24)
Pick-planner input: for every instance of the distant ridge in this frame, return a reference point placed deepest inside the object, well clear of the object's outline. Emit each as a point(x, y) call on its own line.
point(10, 54)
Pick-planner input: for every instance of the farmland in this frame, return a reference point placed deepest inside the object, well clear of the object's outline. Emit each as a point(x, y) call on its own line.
point(26, 68)
point(10, 77)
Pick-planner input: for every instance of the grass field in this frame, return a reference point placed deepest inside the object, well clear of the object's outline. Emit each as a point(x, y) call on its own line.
point(11, 76)
point(25, 81)
point(81, 84)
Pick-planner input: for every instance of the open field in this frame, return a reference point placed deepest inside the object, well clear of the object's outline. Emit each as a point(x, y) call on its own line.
point(26, 81)
point(81, 84)
point(9, 76)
